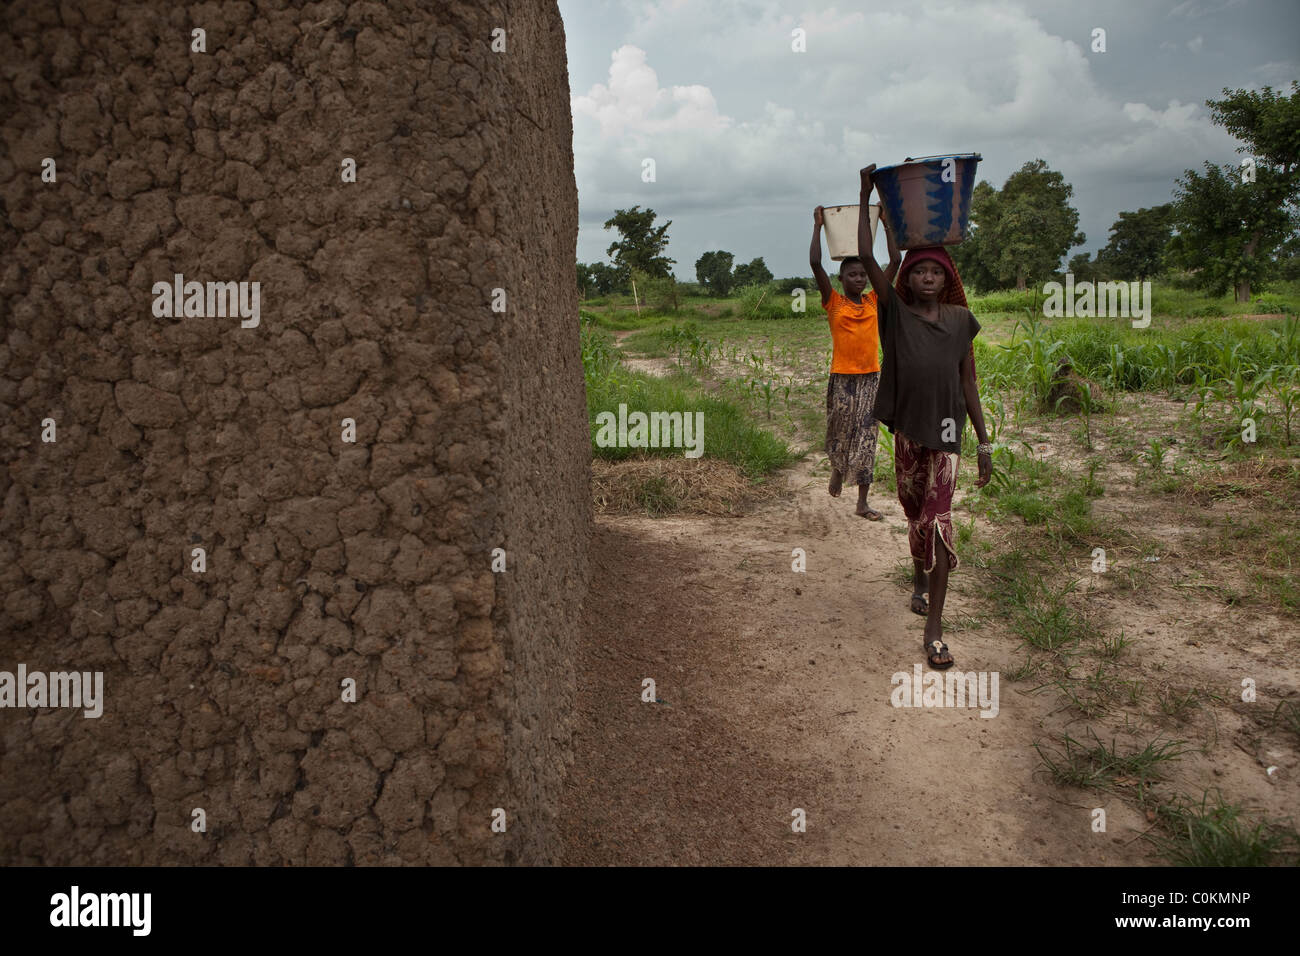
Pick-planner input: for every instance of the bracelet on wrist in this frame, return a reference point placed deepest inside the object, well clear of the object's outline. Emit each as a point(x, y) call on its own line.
point(984, 448)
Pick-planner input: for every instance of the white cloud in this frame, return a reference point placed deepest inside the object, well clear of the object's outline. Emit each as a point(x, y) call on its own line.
point(752, 25)
point(1194, 10)
point(633, 102)
point(1195, 44)
point(740, 122)
point(1177, 116)
point(1278, 74)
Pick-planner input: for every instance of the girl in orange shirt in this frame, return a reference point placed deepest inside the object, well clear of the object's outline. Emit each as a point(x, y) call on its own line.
point(855, 369)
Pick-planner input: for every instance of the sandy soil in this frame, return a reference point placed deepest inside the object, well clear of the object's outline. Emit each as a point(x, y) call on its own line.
point(774, 686)
point(776, 689)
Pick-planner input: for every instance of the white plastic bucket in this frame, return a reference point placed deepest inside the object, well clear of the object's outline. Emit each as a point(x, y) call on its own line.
point(841, 223)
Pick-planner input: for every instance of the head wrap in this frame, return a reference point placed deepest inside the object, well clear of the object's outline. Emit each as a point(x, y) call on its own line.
point(954, 293)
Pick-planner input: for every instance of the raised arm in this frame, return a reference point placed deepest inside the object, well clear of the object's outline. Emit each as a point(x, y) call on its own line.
point(815, 257)
point(895, 257)
point(879, 281)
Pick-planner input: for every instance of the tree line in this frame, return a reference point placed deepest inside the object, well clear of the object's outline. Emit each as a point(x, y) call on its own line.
point(638, 256)
point(1229, 227)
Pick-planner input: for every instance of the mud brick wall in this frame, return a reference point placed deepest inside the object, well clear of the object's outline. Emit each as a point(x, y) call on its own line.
point(325, 559)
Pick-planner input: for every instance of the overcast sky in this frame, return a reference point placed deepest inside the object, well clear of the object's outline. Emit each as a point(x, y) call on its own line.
point(749, 136)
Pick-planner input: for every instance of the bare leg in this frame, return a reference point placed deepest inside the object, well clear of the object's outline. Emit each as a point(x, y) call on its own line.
point(865, 510)
point(837, 482)
point(938, 591)
point(920, 584)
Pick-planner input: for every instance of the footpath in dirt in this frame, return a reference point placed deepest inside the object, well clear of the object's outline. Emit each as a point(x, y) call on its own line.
point(773, 695)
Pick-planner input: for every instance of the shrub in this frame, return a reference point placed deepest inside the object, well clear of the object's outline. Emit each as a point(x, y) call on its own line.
point(761, 301)
point(1009, 300)
point(662, 294)
point(786, 286)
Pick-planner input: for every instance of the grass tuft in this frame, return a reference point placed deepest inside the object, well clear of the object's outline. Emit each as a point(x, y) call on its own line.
point(1102, 768)
point(1217, 833)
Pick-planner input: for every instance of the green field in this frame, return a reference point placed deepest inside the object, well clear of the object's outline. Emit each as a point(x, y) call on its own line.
point(1172, 454)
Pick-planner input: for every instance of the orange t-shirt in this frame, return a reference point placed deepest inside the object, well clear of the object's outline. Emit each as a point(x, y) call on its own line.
point(854, 336)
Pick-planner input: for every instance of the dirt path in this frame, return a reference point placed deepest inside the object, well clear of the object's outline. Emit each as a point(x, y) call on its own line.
point(776, 689)
point(650, 364)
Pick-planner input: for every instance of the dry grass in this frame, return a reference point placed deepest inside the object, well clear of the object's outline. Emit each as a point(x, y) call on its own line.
point(661, 486)
point(1274, 481)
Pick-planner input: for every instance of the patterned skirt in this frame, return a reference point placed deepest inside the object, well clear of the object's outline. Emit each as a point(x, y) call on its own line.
point(850, 430)
point(926, 478)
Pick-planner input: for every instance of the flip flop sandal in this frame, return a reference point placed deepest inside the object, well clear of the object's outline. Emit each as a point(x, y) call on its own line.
point(925, 605)
point(872, 515)
point(937, 649)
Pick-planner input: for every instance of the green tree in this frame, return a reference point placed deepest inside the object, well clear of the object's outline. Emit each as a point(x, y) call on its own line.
point(971, 257)
point(599, 278)
point(1084, 268)
point(754, 272)
point(1288, 259)
point(1137, 243)
point(1227, 230)
point(1020, 232)
point(1228, 227)
point(713, 270)
point(642, 244)
point(1036, 225)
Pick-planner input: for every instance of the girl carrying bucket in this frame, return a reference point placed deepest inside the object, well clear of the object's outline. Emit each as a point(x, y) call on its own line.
point(855, 367)
point(927, 389)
